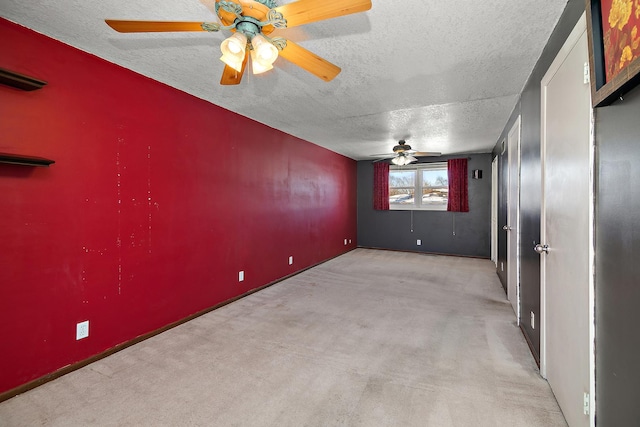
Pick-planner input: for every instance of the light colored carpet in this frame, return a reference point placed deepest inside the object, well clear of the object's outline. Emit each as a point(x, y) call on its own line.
point(371, 338)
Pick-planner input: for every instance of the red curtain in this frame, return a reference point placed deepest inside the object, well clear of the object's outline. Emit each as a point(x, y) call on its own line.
point(458, 186)
point(381, 186)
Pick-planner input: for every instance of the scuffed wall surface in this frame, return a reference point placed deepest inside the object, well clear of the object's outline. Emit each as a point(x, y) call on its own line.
point(156, 201)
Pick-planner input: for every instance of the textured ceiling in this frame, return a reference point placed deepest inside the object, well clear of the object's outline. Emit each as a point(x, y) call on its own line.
point(445, 75)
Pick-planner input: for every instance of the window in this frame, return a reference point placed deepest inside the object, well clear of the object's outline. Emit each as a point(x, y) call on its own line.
point(429, 181)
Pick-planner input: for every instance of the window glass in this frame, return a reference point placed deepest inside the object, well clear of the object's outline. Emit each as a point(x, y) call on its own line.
point(402, 187)
point(401, 197)
point(428, 180)
point(403, 178)
point(435, 187)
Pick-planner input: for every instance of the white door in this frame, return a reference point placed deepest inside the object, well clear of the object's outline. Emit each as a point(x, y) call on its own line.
point(513, 213)
point(494, 211)
point(566, 228)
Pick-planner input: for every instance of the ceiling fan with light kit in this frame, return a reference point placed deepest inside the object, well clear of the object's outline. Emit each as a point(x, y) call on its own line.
point(251, 23)
point(403, 154)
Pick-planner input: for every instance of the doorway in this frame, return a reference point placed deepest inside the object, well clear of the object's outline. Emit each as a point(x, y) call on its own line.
point(513, 219)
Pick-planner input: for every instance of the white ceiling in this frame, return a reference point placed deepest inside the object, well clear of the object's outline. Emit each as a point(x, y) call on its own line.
point(445, 75)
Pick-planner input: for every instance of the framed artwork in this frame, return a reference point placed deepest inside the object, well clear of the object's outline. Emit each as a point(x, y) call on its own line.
point(613, 29)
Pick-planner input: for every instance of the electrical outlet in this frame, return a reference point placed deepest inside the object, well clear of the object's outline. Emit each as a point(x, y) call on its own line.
point(290, 260)
point(241, 276)
point(502, 266)
point(82, 330)
point(419, 242)
point(533, 320)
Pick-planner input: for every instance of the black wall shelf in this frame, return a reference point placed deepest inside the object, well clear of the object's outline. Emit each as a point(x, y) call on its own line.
point(20, 81)
point(17, 159)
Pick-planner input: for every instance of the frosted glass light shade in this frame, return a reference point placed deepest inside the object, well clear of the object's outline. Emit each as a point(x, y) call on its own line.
point(233, 50)
point(258, 66)
point(232, 61)
point(234, 45)
point(409, 159)
point(266, 53)
point(403, 159)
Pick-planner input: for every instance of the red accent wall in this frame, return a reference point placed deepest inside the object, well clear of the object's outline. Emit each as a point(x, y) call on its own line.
point(142, 220)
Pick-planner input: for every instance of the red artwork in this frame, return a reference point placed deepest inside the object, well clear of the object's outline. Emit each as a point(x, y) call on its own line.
point(621, 37)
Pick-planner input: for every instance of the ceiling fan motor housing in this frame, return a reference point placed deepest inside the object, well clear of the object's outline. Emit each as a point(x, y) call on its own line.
point(401, 147)
point(249, 27)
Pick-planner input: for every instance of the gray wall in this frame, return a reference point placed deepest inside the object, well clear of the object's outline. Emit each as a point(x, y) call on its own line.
point(392, 229)
point(618, 263)
point(530, 183)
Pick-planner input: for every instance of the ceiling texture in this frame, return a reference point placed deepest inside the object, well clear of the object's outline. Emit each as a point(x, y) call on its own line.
point(444, 75)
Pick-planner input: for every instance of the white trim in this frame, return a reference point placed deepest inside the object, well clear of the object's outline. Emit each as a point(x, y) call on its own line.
point(592, 269)
point(543, 236)
point(494, 210)
point(516, 129)
point(563, 53)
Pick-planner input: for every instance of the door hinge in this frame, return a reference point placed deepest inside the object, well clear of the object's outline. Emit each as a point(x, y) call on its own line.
point(586, 404)
point(587, 76)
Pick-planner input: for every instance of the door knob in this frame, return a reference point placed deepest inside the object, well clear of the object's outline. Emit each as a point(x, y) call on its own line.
point(541, 248)
point(506, 228)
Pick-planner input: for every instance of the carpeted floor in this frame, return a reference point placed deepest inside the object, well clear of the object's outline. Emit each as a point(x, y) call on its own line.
point(371, 338)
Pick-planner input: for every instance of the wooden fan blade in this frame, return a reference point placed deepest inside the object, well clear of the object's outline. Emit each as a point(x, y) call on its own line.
point(309, 61)
point(231, 76)
point(425, 154)
point(153, 26)
point(306, 11)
